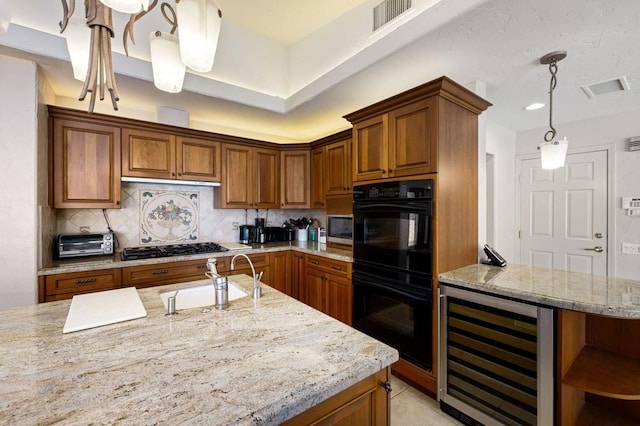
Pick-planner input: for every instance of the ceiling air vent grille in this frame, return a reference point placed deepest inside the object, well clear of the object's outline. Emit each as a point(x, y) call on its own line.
point(389, 10)
point(619, 84)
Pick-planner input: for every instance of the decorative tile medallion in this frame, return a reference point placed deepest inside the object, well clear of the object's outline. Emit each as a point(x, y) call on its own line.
point(168, 216)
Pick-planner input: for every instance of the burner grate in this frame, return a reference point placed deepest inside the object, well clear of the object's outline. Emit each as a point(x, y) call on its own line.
point(150, 252)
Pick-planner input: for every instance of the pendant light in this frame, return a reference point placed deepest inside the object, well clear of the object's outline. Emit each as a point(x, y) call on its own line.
point(553, 152)
point(168, 68)
point(199, 23)
point(78, 36)
point(127, 6)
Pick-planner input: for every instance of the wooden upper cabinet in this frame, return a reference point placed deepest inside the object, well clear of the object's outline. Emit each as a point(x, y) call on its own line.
point(250, 178)
point(148, 154)
point(412, 139)
point(267, 178)
point(198, 159)
point(338, 168)
point(86, 165)
point(318, 174)
point(295, 179)
point(370, 149)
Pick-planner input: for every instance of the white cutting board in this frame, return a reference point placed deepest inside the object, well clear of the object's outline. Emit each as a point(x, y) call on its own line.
point(102, 308)
point(235, 246)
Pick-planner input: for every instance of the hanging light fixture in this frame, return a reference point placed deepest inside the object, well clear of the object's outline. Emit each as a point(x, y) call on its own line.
point(127, 6)
point(200, 22)
point(6, 13)
point(168, 68)
point(78, 44)
point(553, 152)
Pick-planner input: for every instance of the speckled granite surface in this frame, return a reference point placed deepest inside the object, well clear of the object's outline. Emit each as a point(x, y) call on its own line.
point(258, 362)
point(108, 262)
point(569, 290)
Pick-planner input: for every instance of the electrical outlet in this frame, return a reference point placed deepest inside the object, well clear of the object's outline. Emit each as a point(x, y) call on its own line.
point(85, 229)
point(630, 248)
point(235, 226)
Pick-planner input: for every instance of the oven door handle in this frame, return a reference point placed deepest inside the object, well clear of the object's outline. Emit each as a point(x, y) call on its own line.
point(412, 295)
point(410, 207)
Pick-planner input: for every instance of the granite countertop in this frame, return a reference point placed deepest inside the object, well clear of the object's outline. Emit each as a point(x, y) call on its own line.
point(257, 362)
point(108, 262)
point(593, 294)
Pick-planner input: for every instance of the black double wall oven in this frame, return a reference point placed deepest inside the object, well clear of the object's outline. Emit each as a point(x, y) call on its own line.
point(393, 266)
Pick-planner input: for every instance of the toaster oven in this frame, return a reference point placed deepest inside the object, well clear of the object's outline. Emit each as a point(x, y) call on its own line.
point(76, 245)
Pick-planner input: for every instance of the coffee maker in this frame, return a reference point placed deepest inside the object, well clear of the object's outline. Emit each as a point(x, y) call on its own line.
point(247, 234)
point(259, 235)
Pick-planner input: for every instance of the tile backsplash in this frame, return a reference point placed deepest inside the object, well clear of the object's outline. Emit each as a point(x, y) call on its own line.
point(159, 214)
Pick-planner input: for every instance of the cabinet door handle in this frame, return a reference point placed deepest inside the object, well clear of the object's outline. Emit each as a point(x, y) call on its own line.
point(86, 281)
point(160, 272)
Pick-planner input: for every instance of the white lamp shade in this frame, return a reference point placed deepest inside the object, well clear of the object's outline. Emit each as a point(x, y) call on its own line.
point(6, 13)
point(554, 153)
point(125, 6)
point(78, 36)
point(168, 69)
point(199, 23)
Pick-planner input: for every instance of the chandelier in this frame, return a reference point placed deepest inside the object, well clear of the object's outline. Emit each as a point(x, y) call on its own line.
point(89, 42)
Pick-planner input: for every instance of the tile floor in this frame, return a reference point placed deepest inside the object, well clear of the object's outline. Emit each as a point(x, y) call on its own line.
point(410, 407)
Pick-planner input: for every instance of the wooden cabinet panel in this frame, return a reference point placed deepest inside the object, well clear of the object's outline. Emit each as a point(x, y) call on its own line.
point(65, 286)
point(296, 174)
point(250, 178)
point(198, 159)
point(280, 272)
point(267, 179)
point(164, 273)
point(339, 298)
point(332, 266)
point(338, 168)
point(148, 154)
point(370, 149)
point(412, 136)
point(297, 274)
point(86, 165)
point(314, 289)
point(318, 174)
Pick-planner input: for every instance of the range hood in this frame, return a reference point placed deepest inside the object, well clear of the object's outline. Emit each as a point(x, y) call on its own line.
point(168, 181)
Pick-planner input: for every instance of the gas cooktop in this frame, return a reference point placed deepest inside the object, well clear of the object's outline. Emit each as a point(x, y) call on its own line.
point(135, 253)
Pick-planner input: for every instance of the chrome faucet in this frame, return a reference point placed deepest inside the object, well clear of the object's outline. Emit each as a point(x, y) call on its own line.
point(257, 290)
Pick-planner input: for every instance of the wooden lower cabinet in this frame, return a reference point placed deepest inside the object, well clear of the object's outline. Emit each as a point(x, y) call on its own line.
point(65, 286)
point(280, 273)
point(365, 403)
point(598, 370)
point(163, 273)
point(327, 287)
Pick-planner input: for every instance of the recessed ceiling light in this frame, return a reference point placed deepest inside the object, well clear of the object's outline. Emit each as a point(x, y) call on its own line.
point(534, 106)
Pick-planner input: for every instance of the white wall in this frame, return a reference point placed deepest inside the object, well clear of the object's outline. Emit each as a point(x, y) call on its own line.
point(18, 192)
point(501, 143)
point(601, 132)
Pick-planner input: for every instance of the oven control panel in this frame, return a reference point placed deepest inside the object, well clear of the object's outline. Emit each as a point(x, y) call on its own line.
point(402, 189)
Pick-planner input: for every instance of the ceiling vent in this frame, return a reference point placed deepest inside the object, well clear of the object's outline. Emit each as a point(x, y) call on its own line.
point(616, 85)
point(634, 144)
point(389, 10)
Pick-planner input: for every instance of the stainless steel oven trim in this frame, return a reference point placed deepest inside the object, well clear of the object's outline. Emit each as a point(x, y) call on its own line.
point(546, 382)
point(339, 240)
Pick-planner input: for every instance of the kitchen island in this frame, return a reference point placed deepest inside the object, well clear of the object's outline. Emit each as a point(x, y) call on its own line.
point(261, 361)
point(596, 349)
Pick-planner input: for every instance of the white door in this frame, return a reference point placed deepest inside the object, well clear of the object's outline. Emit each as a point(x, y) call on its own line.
point(563, 214)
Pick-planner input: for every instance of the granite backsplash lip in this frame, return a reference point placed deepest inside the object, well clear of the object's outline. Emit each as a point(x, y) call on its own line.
point(108, 262)
point(596, 294)
point(258, 362)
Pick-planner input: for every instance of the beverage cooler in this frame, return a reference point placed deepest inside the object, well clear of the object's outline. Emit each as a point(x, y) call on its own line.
point(496, 359)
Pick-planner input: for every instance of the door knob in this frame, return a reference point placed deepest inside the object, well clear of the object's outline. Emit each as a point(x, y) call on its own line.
point(597, 249)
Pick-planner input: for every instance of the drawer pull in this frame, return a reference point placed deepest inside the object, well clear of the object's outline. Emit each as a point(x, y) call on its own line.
point(86, 281)
point(160, 272)
point(337, 268)
point(314, 262)
point(201, 267)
